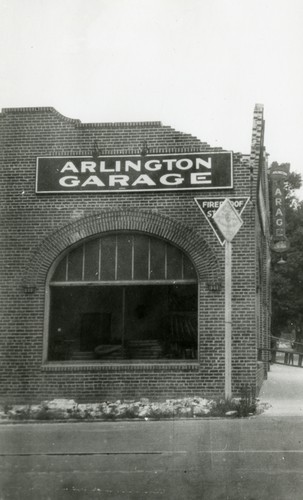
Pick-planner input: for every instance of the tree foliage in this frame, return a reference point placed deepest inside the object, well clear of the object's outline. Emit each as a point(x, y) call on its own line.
point(287, 279)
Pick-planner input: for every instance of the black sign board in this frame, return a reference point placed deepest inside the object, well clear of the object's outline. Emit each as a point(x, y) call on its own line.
point(195, 171)
point(279, 174)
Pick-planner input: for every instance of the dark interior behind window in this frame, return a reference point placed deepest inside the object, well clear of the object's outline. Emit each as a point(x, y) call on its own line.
point(132, 322)
point(123, 296)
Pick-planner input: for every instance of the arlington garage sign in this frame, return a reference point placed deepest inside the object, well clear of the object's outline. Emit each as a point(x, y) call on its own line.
point(196, 171)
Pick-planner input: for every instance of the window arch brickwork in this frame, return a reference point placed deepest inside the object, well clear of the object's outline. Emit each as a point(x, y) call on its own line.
point(188, 240)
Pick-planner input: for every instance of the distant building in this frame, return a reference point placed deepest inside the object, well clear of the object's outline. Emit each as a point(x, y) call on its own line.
point(112, 276)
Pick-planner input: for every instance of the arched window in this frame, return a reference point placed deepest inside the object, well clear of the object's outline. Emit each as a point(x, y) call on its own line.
point(123, 296)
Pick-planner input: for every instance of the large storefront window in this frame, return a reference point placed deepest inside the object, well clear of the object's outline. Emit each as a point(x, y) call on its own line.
point(123, 296)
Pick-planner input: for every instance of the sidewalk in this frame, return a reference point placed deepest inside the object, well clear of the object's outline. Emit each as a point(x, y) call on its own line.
point(282, 392)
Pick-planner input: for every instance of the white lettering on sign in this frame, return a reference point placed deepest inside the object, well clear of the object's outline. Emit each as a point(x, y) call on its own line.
point(133, 165)
point(121, 180)
point(117, 166)
point(104, 169)
point(184, 164)
point(69, 167)
point(202, 163)
point(93, 180)
point(197, 178)
point(144, 179)
point(88, 166)
point(238, 203)
point(169, 163)
point(171, 179)
point(153, 165)
point(209, 207)
point(69, 181)
point(211, 204)
point(215, 204)
point(278, 212)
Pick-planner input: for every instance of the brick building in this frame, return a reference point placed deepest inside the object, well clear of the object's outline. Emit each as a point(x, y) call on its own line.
point(113, 269)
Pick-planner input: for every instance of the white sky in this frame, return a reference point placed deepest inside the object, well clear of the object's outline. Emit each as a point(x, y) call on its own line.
point(197, 65)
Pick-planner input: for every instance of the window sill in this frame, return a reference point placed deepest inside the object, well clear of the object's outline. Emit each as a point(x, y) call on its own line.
point(152, 365)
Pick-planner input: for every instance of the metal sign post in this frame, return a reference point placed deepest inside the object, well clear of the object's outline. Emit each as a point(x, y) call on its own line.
point(229, 222)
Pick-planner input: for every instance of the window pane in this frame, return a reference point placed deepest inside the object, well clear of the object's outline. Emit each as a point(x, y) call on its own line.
point(95, 329)
point(60, 272)
point(108, 258)
point(161, 322)
point(174, 263)
point(158, 322)
point(183, 298)
point(140, 257)
point(157, 259)
point(75, 263)
point(124, 270)
point(189, 270)
point(125, 257)
point(83, 318)
point(91, 271)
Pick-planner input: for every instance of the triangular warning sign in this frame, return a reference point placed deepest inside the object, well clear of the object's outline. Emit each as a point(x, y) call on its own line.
point(209, 206)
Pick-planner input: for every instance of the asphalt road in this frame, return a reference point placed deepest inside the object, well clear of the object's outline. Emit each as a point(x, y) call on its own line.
point(246, 459)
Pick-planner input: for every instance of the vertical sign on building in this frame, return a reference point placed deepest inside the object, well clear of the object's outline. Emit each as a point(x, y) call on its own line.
point(279, 174)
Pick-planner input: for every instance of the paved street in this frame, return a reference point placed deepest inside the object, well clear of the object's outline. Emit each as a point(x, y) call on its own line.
point(211, 459)
point(248, 459)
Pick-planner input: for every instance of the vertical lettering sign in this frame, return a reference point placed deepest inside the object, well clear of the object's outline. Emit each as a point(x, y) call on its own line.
point(279, 174)
point(205, 170)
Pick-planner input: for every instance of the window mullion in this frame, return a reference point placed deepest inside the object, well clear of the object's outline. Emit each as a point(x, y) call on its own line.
point(99, 262)
point(66, 268)
point(133, 257)
point(149, 259)
point(123, 317)
point(165, 261)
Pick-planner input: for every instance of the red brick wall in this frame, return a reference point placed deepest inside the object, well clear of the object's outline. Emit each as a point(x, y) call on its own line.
point(36, 228)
